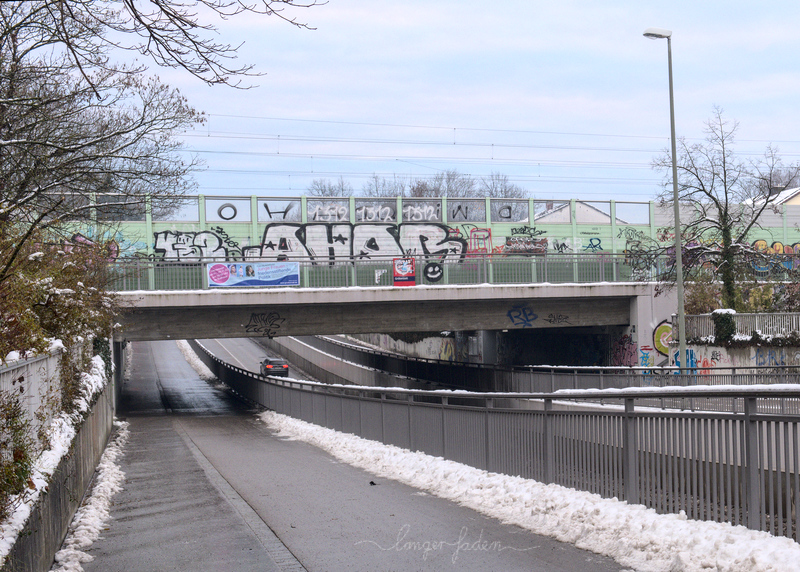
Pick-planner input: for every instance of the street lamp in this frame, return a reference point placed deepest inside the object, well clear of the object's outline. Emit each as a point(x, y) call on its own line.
point(657, 34)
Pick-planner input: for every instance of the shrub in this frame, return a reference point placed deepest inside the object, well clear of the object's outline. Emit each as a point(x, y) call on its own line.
point(16, 452)
point(724, 326)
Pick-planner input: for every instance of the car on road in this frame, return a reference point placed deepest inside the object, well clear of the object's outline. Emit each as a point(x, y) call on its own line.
point(274, 366)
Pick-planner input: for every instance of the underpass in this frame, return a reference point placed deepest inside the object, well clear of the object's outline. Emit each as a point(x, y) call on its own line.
point(209, 487)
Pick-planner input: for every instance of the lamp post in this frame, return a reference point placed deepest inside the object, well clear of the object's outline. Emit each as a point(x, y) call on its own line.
point(657, 34)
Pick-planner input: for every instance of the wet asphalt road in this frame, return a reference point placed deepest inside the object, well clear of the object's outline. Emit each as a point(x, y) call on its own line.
point(209, 487)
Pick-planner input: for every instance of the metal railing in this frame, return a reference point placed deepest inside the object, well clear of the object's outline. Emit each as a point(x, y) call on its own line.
point(35, 382)
point(742, 467)
point(702, 325)
point(149, 274)
point(549, 379)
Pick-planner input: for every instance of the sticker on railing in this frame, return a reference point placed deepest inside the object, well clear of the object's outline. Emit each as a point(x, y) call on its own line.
point(253, 274)
point(404, 272)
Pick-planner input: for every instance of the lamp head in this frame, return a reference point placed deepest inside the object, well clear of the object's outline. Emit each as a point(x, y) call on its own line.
point(657, 33)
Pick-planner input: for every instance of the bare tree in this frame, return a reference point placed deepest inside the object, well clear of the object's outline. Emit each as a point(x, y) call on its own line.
point(325, 188)
point(382, 187)
point(78, 129)
point(169, 32)
point(728, 195)
point(497, 185)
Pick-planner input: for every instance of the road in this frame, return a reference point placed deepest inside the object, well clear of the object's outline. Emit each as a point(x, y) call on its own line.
point(209, 487)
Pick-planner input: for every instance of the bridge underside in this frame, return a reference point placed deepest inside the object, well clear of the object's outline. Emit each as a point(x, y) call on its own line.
point(363, 312)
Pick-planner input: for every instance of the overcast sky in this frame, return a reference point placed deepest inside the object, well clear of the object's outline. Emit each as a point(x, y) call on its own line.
point(566, 98)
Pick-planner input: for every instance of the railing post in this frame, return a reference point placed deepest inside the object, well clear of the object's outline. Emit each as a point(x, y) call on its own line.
point(548, 444)
point(751, 464)
point(487, 433)
point(630, 454)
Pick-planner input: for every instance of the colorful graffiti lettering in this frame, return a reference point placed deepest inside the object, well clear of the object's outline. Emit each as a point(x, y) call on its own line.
point(522, 245)
point(662, 336)
point(110, 247)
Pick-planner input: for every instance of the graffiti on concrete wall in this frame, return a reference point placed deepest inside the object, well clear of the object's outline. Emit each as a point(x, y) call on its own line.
point(623, 352)
point(265, 324)
point(662, 336)
point(522, 316)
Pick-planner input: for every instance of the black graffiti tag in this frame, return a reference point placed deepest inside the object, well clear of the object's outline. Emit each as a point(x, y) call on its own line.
point(265, 324)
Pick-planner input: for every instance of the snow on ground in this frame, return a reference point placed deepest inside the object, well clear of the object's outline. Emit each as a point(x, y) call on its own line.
point(94, 513)
point(631, 534)
point(198, 366)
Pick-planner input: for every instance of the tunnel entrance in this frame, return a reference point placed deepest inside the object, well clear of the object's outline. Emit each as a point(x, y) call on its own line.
point(583, 346)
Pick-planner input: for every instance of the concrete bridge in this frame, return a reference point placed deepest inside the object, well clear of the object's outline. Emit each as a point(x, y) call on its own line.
point(158, 315)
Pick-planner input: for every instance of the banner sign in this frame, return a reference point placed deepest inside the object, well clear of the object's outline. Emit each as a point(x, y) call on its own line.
point(253, 274)
point(404, 274)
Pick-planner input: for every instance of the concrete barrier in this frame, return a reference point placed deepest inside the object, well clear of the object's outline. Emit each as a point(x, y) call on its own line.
point(50, 517)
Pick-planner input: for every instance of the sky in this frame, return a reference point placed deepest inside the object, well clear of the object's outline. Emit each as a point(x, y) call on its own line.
point(567, 99)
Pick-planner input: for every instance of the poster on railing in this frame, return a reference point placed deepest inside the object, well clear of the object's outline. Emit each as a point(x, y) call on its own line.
point(240, 274)
point(404, 274)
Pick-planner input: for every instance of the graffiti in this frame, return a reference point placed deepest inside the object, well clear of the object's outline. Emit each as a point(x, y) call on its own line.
point(646, 357)
point(522, 245)
point(691, 359)
point(227, 211)
point(770, 357)
point(110, 248)
point(594, 245)
point(447, 350)
point(706, 364)
point(177, 245)
point(422, 212)
point(522, 316)
point(466, 210)
point(379, 212)
point(557, 319)
point(509, 212)
point(662, 336)
point(561, 246)
point(229, 242)
point(479, 241)
point(290, 210)
point(784, 257)
point(334, 212)
point(624, 352)
point(345, 241)
point(265, 324)
point(526, 231)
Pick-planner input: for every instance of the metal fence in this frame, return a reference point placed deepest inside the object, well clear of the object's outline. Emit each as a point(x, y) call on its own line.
point(549, 379)
point(149, 274)
point(742, 467)
point(36, 384)
point(702, 325)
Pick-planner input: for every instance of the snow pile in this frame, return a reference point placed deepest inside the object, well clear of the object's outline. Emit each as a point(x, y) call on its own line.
point(631, 534)
point(197, 365)
point(90, 518)
point(62, 431)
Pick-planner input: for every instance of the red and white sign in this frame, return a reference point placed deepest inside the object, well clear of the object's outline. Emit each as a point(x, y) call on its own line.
point(404, 274)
